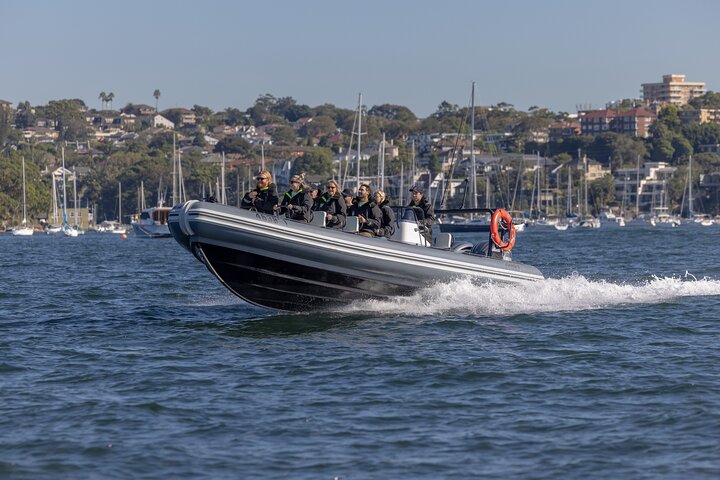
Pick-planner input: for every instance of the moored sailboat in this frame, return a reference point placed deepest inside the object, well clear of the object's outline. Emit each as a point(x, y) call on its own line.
point(67, 230)
point(23, 230)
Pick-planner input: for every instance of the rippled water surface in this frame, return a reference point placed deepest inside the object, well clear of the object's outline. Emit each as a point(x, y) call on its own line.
point(125, 358)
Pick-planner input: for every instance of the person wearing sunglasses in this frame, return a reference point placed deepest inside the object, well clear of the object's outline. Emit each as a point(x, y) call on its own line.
point(332, 202)
point(264, 197)
point(297, 202)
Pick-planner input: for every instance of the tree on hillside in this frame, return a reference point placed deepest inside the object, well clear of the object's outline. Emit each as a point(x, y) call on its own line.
point(233, 144)
point(702, 134)
point(289, 109)
point(668, 117)
point(446, 109)
point(110, 97)
point(24, 115)
point(318, 127)
point(68, 117)
point(392, 112)
point(283, 136)
point(6, 124)
point(317, 161)
point(235, 117)
point(709, 100)
point(103, 99)
point(201, 111)
point(156, 94)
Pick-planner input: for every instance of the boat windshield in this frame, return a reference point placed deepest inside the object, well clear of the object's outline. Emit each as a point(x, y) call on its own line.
point(407, 214)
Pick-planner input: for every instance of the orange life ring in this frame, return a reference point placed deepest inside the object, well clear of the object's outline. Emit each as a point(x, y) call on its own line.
point(498, 216)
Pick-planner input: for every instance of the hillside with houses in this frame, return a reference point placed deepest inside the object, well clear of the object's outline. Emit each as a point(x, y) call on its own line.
point(633, 155)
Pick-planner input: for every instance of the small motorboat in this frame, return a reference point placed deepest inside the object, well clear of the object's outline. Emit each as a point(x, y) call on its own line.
point(275, 262)
point(152, 223)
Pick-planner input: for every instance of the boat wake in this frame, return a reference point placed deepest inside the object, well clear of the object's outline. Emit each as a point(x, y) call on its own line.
point(573, 293)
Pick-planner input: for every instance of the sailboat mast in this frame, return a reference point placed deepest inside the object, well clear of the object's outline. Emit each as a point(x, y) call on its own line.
point(120, 203)
point(64, 197)
point(55, 200)
point(359, 135)
point(690, 192)
point(382, 163)
point(24, 221)
point(174, 175)
point(585, 182)
point(222, 180)
point(539, 182)
point(637, 188)
point(412, 170)
point(75, 199)
point(262, 156)
point(569, 192)
point(473, 171)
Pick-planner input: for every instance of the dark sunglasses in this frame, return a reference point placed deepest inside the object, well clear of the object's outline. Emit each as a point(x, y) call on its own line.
point(261, 178)
point(333, 187)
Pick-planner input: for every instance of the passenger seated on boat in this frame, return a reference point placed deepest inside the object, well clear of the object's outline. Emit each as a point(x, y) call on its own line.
point(349, 198)
point(332, 203)
point(368, 213)
point(418, 200)
point(264, 197)
point(387, 227)
point(297, 202)
point(315, 194)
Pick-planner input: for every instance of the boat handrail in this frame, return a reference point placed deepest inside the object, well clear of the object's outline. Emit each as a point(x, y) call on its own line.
point(352, 224)
point(443, 241)
point(318, 219)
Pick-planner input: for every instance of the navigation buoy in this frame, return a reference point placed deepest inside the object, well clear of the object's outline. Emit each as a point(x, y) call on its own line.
point(123, 236)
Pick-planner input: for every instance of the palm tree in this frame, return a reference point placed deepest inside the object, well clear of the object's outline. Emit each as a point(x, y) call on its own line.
point(110, 97)
point(156, 94)
point(103, 98)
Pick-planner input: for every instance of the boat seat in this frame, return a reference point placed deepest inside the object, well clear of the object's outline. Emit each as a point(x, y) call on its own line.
point(352, 225)
point(318, 219)
point(443, 241)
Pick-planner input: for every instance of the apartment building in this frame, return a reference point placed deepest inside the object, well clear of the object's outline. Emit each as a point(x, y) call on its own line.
point(701, 115)
point(673, 90)
point(634, 122)
point(562, 130)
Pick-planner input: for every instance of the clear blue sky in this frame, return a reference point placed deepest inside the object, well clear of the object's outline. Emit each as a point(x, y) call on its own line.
point(223, 53)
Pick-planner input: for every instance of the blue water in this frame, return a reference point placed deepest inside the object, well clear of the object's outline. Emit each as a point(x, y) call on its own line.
point(124, 358)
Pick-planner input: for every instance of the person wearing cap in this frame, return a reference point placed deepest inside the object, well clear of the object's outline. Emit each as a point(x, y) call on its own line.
point(334, 205)
point(418, 201)
point(348, 196)
point(297, 202)
point(368, 213)
point(387, 228)
point(315, 194)
point(264, 197)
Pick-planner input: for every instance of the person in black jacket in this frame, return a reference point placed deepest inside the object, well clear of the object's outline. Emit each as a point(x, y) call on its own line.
point(315, 194)
point(387, 228)
point(349, 198)
point(418, 200)
point(332, 203)
point(369, 215)
point(264, 198)
point(297, 202)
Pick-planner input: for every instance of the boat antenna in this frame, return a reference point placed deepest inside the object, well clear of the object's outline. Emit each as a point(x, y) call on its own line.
point(473, 172)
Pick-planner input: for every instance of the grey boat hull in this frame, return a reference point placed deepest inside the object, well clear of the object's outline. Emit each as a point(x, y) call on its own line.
point(277, 263)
